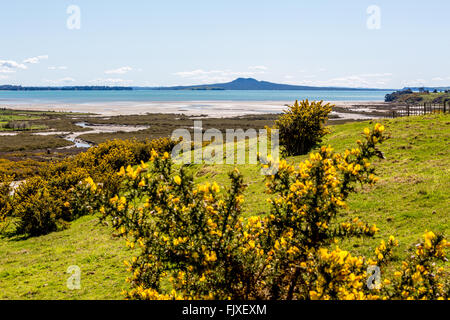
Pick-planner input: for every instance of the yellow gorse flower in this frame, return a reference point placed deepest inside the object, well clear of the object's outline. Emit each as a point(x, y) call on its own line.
point(177, 180)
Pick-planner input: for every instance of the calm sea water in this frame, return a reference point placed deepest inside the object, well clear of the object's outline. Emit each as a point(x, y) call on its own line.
point(80, 97)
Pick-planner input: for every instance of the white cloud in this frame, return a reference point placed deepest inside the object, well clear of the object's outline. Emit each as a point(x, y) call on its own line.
point(35, 60)
point(414, 83)
point(371, 80)
point(3, 77)
point(10, 64)
point(110, 81)
point(121, 70)
point(6, 70)
point(57, 68)
point(376, 75)
point(195, 73)
point(62, 81)
point(259, 68)
point(209, 76)
point(438, 79)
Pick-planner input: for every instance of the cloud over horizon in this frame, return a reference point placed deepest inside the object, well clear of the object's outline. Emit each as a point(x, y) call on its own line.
point(8, 66)
point(209, 76)
point(121, 70)
point(62, 81)
point(35, 60)
point(110, 81)
point(57, 68)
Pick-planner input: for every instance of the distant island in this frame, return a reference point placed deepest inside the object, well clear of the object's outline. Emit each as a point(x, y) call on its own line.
point(250, 84)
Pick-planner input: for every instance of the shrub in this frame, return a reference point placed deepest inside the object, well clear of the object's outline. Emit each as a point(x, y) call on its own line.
point(302, 126)
point(64, 190)
point(20, 169)
point(37, 209)
point(114, 154)
point(5, 199)
point(419, 277)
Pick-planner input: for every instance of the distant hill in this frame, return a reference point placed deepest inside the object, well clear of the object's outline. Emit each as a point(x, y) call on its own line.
point(249, 84)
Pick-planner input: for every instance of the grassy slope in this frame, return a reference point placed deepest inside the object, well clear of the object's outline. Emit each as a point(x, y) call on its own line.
point(412, 196)
point(36, 268)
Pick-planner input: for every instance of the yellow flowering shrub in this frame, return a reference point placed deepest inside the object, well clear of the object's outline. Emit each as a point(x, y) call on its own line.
point(420, 278)
point(65, 190)
point(5, 199)
point(38, 208)
point(302, 126)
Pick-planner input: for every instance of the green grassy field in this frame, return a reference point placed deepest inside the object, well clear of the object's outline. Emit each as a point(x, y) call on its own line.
point(5, 118)
point(411, 197)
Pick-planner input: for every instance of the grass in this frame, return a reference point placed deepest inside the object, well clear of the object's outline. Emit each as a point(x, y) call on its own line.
point(5, 118)
point(411, 197)
point(36, 268)
point(26, 141)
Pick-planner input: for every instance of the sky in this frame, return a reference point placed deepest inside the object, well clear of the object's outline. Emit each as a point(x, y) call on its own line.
point(349, 43)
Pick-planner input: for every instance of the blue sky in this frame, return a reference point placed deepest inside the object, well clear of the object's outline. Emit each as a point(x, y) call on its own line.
point(146, 43)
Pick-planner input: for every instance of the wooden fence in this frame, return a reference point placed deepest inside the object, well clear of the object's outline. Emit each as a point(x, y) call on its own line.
point(421, 109)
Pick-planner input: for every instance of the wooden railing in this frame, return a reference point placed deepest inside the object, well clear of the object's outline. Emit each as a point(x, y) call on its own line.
point(421, 109)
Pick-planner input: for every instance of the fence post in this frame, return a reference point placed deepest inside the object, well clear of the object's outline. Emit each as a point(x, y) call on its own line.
point(424, 108)
point(407, 108)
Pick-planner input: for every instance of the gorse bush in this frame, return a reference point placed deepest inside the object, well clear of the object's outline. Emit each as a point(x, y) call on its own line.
point(20, 170)
point(5, 199)
point(38, 208)
point(58, 194)
point(193, 242)
point(302, 126)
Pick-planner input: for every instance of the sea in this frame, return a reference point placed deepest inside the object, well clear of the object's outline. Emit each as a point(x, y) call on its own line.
point(86, 97)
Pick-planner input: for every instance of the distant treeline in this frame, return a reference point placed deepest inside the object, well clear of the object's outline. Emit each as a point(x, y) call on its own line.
point(423, 96)
point(69, 88)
